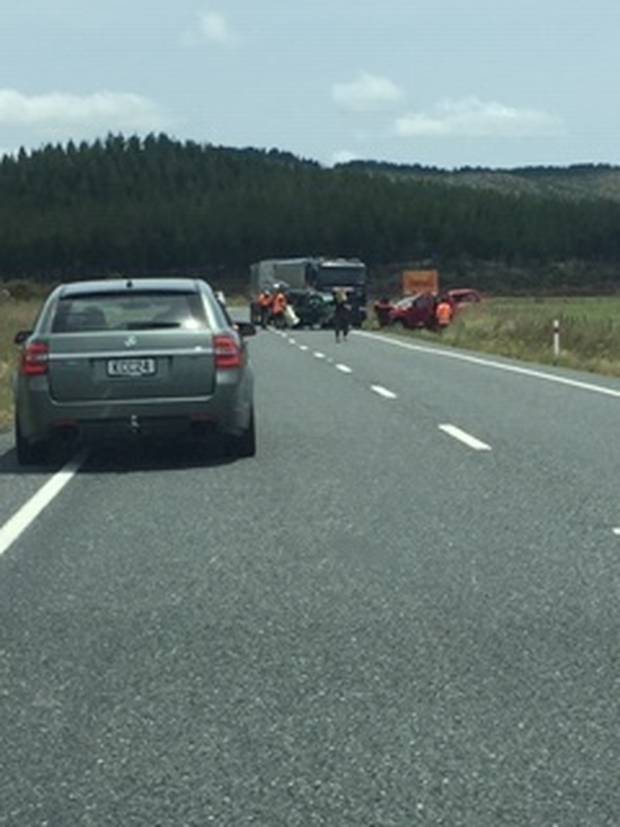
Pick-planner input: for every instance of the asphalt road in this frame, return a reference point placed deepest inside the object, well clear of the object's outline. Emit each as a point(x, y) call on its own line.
point(374, 622)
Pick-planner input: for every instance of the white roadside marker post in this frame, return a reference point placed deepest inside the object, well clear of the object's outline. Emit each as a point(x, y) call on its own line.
point(556, 338)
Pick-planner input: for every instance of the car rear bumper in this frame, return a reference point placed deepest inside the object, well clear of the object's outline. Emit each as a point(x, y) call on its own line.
point(41, 417)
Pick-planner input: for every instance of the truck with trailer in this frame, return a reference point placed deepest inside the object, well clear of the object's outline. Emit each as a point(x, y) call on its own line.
point(309, 277)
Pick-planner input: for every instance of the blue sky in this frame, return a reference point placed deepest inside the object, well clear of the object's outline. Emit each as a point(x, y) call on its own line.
point(442, 82)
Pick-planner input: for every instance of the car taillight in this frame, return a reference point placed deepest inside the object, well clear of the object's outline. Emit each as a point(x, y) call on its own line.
point(228, 353)
point(35, 359)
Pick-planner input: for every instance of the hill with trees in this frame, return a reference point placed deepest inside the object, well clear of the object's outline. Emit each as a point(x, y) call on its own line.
point(578, 182)
point(155, 205)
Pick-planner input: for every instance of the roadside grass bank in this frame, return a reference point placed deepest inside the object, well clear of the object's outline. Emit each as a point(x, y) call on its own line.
point(523, 329)
point(15, 314)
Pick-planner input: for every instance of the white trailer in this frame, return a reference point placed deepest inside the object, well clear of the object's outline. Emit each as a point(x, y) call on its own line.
point(293, 272)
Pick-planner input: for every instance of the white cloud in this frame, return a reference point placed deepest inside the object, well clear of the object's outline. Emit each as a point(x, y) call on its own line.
point(473, 118)
point(344, 156)
point(368, 93)
point(105, 110)
point(214, 28)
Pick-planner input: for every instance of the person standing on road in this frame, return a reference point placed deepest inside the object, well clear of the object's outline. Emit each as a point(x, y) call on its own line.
point(278, 309)
point(265, 302)
point(342, 315)
point(443, 314)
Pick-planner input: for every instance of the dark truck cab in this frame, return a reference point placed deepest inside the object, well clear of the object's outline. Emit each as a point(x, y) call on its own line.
point(350, 275)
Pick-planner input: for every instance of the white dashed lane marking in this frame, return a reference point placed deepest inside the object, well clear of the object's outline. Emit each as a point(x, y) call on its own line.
point(384, 392)
point(490, 363)
point(344, 369)
point(318, 354)
point(465, 438)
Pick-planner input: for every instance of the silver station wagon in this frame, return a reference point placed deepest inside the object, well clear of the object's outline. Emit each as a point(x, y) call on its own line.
point(155, 357)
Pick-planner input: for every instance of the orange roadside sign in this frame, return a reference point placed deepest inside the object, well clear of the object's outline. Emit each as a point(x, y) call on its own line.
point(420, 281)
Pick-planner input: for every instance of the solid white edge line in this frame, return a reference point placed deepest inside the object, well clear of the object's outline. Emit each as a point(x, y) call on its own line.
point(319, 355)
point(490, 363)
point(384, 392)
point(464, 437)
point(344, 369)
point(28, 513)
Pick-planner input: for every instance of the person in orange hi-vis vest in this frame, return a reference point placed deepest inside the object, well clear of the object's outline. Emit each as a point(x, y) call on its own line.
point(265, 302)
point(277, 310)
point(443, 314)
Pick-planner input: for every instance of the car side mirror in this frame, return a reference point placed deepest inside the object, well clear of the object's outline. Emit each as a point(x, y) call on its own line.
point(21, 337)
point(245, 329)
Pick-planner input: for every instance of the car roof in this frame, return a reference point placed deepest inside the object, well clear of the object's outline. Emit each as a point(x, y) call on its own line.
point(171, 285)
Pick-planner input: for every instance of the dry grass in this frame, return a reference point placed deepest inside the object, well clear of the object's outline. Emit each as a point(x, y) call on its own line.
point(15, 314)
point(523, 329)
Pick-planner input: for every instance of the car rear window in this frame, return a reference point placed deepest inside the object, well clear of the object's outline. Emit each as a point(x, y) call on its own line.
point(139, 310)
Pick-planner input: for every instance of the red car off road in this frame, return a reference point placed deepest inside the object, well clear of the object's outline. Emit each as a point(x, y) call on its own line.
point(419, 310)
point(414, 311)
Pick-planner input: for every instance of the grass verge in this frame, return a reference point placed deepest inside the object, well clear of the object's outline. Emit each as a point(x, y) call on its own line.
point(523, 329)
point(15, 314)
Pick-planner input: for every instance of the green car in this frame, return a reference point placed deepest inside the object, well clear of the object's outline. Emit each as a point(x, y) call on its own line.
point(314, 309)
point(113, 358)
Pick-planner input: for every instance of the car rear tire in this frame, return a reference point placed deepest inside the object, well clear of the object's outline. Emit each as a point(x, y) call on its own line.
point(27, 452)
point(245, 445)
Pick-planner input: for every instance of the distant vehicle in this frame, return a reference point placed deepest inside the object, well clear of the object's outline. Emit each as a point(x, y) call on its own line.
point(312, 308)
point(414, 311)
point(419, 310)
point(274, 273)
point(143, 356)
point(312, 274)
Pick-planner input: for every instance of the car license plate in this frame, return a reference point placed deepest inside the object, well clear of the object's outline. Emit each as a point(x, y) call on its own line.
point(131, 367)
